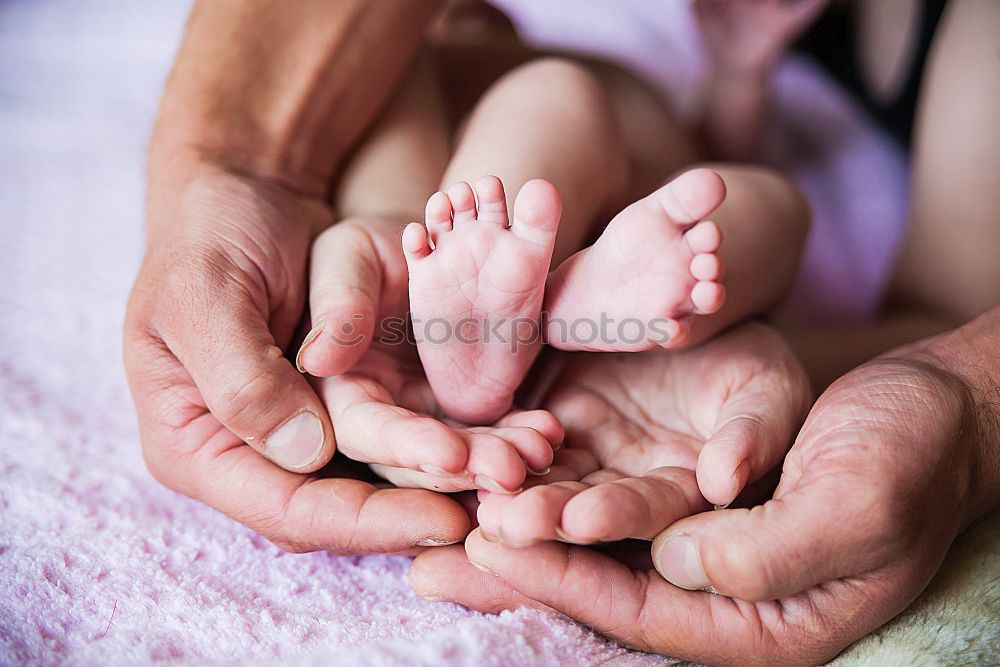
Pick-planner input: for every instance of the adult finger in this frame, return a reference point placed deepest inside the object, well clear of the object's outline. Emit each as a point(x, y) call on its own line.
point(308, 514)
point(752, 434)
point(190, 451)
point(632, 507)
point(638, 608)
point(211, 318)
point(371, 428)
point(344, 283)
point(850, 488)
point(756, 424)
point(579, 582)
point(481, 590)
point(817, 533)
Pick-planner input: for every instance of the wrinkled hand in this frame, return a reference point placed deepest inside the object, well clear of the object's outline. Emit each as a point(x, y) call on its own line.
point(217, 300)
point(749, 35)
point(880, 480)
point(656, 436)
point(375, 388)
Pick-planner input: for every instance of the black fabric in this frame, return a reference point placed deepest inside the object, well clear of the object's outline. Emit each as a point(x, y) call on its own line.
point(833, 43)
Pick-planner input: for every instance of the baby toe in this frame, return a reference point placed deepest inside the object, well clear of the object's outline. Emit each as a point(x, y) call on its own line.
point(415, 243)
point(492, 201)
point(536, 212)
point(708, 296)
point(707, 266)
point(705, 237)
point(692, 195)
point(463, 202)
point(437, 215)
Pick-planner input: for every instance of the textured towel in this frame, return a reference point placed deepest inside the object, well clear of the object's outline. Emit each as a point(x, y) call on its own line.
point(99, 564)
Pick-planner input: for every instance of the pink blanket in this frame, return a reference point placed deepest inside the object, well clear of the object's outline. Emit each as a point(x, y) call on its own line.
point(98, 562)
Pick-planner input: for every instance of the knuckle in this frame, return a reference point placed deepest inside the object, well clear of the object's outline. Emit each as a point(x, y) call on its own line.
point(242, 404)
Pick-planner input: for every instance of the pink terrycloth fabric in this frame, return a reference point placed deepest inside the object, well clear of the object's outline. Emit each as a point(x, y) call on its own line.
point(98, 562)
point(854, 177)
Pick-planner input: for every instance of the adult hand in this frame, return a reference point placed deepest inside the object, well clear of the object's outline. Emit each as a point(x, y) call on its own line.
point(374, 385)
point(219, 295)
point(893, 461)
point(652, 435)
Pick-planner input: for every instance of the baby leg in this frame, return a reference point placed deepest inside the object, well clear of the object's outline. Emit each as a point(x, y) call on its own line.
point(401, 160)
point(549, 119)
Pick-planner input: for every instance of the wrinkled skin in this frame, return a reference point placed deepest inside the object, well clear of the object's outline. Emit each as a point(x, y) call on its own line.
point(872, 493)
point(652, 435)
point(218, 298)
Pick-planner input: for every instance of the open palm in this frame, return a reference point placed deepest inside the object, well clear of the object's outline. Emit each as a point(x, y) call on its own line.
point(655, 436)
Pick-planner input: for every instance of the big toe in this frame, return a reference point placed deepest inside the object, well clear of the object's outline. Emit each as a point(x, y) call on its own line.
point(692, 195)
point(537, 210)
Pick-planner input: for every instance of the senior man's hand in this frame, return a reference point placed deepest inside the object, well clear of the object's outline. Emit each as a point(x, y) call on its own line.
point(217, 301)
point(894, 460)
point(656, 436)
point(264, 103)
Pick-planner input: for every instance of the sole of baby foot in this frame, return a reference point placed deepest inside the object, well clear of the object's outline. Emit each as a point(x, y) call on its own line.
point(654, 269)
point(477, 281)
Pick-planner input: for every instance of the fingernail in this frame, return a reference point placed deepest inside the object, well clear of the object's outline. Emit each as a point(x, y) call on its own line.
point(310, 337)
point(435, 542)
point(563, 537)
point(679, 562)
point(430, 597)
point(538, 473)
point(296, 443)
point(492, 485)
point(738, 480)
point(483, 568)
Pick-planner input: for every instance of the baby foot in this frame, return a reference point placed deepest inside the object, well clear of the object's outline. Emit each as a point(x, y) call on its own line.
point(476, 291)
point(652, 270)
